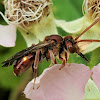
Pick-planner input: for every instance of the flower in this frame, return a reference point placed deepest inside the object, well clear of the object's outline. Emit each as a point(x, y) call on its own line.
point(91, 11)
point(96, 74)
point(65, 84)
point(91, 8)
point(33, 18)
point(8, 35)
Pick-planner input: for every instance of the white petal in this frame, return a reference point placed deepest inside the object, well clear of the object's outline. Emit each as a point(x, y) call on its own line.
point(7, 35)
point(71, 26)
point(36, 94)
point(96, 75)
point(66, 84)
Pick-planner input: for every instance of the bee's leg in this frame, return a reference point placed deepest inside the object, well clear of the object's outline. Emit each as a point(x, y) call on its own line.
point(36, 65)
point(69, 64)
point(66, 57)
point(55, 61)
point(63, 60)
point(33, 67)
point(35, 73)
point(52, 57)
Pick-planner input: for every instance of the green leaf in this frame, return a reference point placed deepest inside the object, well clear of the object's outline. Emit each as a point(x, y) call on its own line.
point(95, 57)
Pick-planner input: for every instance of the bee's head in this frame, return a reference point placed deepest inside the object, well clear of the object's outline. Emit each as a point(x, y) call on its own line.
point(68, 39)
point(70, 44)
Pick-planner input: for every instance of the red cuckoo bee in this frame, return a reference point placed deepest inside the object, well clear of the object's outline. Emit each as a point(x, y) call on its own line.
point(53, 46)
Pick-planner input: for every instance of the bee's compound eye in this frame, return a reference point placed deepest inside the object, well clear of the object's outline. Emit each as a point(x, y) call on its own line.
point(72, 49)
point(46, 38)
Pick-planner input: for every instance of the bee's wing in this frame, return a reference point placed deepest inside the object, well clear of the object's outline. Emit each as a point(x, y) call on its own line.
point(24, 52)
point(83, 45)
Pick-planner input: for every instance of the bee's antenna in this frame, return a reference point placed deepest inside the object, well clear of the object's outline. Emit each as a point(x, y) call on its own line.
point(88, 41)
point(88, 28)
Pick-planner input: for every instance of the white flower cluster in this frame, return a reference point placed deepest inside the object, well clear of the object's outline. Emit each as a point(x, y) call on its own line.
point(92, 8)
point(25, 12)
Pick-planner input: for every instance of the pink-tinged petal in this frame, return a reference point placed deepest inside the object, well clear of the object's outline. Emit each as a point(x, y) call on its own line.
point(65, 84)
point(7, 35)
point(37, 93)
point(96, 75)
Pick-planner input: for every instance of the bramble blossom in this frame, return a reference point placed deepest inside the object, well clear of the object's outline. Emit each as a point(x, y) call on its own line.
point(69, 83)
point(33, 18)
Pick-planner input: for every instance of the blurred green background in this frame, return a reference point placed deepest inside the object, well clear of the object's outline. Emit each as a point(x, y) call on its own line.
point(11, 87)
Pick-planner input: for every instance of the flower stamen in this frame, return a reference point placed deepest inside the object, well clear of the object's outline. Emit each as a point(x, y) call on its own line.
point(24, 12)
point(91, 8)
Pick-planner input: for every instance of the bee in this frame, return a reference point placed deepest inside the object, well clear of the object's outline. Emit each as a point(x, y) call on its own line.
point(53, 46)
